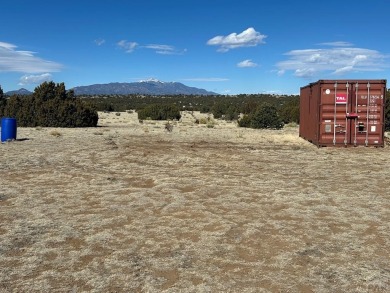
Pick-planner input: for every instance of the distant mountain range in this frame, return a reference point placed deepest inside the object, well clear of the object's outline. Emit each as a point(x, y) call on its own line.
point(145, 87)
point(22, 92)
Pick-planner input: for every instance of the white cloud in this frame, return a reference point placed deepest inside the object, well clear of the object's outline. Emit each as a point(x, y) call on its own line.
point(344, 69)
point(304, 72)
point(337, 44)
point(161, 49)
point(165, 49)
point(127, 46)
point(207, 79)
point(246, 63)
point(100, 41)
point(338, 60)
point(248, 38)
point(24, 61)
point(34, 79)
point(7, 46)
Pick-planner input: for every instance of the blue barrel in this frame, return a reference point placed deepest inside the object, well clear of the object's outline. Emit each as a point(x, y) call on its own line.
point(8, 129)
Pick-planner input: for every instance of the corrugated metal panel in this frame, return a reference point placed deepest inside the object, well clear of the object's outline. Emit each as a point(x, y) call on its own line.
point(343, 112)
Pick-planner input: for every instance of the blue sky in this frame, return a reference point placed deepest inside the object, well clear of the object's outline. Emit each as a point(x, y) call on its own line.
point(225, 46)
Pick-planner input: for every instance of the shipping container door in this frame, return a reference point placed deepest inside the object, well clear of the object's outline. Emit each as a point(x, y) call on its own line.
point(335, 127)
point(351, 113)
point(366, 118)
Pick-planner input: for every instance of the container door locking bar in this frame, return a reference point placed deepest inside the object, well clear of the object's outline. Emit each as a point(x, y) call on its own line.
point(346, 114)
point(334, 118)
point(368, 107)
point(356, 109)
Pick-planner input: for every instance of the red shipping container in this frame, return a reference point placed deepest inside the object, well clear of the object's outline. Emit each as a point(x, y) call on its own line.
point(343, 112)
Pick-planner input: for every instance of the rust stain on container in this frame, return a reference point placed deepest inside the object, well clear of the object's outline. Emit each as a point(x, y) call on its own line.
point(343, 112)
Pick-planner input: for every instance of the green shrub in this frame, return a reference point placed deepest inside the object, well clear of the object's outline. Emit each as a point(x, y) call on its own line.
point(245, 121)
point(289, 111)
point(159, 112)
point(219, 109)
point(3, 102)
point(203, 120)
point(265, 116)
point(51, 106)
point(225, 110)
point(249, 107)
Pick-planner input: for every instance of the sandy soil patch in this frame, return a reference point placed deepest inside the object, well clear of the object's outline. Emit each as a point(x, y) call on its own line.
point(130, 207)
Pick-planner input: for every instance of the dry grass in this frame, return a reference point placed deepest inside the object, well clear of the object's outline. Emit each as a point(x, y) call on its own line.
point(55, 133)
point(133, 208)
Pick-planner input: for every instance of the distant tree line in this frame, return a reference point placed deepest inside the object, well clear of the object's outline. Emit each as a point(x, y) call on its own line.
point(285, 107)
point(51, 105)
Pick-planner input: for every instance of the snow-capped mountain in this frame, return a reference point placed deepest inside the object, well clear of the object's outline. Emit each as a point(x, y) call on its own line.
point(145, 87)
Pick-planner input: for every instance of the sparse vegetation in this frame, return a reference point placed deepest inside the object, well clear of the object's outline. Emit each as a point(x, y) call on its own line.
point(221, 106)
point(291, 124)
point(204, 210)
point(55, 133)
point(202, 120)
point(169, 126)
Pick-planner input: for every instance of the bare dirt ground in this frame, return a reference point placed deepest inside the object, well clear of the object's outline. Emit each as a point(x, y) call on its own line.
point(131, 207)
